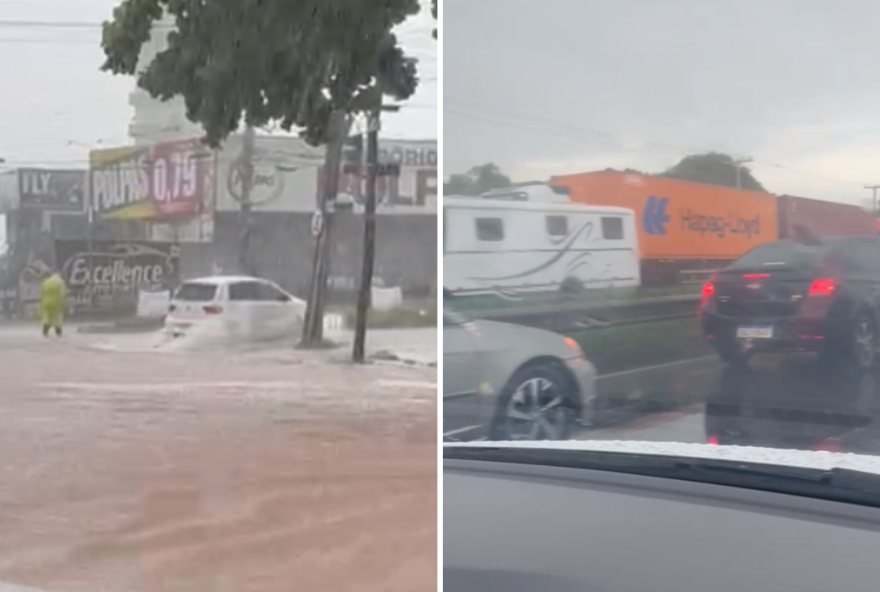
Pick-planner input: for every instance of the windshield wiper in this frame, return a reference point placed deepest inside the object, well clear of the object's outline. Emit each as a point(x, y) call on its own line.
point(837, 484)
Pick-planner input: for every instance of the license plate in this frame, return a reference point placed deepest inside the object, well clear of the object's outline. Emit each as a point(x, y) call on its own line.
point(755, 332)
point(178, 328)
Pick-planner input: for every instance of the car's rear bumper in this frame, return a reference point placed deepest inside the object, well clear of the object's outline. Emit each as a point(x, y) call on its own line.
point(789, 333)
point(178, 327)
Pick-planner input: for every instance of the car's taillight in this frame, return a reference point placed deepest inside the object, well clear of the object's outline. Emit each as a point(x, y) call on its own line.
point(575, 348)
point(707, 293)
point(712, 440)
point(472, 329)
point(822, 287)
point(212, 309)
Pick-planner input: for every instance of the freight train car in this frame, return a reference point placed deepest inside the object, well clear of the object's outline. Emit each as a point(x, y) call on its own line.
point(686, 230)
point(800, 215)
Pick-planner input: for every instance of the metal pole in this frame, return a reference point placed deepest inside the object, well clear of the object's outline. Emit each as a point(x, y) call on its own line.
point(366, 285)
point(313, 326)
point(738, 164)
point(90, 240)
point(874, 203)
point(247, 181)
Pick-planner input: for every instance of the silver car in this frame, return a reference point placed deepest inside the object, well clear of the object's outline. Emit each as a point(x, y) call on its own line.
point(509, 382)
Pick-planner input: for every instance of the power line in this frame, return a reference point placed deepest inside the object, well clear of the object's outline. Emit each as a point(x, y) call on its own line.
point(24, 40)
point(542, 126)
point(26, 24)
point(492, 116)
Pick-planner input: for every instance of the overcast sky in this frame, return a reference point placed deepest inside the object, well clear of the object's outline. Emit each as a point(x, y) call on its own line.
point(55, 103)
point(563, 86)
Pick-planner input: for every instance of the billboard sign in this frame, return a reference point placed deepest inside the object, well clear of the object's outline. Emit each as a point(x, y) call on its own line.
point(52, 190)
point(414, 190)
point(155, 182)
point(107, 276)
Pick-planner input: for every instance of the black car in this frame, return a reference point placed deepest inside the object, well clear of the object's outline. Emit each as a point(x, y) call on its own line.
point(818, 294)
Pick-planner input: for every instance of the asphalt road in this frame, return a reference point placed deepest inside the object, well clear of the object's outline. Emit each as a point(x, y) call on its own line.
point(133, 468)
point(785, 401)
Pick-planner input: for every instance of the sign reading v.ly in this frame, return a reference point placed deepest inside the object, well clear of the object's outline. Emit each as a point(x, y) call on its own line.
point(58, 190)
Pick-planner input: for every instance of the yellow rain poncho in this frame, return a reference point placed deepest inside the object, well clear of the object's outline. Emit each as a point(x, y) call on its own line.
point(52, 303)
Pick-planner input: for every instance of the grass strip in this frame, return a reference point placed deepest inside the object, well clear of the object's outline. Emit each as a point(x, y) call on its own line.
point(470, 304)
point(635, 346)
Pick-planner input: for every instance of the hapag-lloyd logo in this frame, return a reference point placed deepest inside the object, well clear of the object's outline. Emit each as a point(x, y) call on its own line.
point(719, 226)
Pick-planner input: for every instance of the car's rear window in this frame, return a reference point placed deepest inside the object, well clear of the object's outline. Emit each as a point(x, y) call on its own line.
point(783, 255)
point(196, 292)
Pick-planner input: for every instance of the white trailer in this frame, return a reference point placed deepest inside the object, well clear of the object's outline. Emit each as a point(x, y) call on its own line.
point(500, 246)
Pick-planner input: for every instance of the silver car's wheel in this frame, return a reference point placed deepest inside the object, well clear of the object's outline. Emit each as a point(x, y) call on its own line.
point(536, 404)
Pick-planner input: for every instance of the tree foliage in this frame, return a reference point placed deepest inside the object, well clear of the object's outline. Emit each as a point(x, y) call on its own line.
point(290, 61)
point(713, 168)
point(477, 180)
point(626, 170)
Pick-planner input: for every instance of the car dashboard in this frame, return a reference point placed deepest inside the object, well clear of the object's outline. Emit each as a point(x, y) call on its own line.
point(520, 527)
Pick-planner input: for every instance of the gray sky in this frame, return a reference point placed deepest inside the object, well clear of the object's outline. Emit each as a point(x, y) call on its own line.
point(564, 86)
point(55, 103)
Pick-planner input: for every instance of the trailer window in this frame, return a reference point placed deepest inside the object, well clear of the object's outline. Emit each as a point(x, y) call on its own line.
point(490, 229)
point(557, 225)
point(612, 228)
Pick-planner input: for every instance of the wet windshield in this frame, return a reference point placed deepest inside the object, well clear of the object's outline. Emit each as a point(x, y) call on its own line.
point(661, 221)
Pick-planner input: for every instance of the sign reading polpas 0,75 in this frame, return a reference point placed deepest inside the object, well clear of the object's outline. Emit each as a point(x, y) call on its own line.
point(149, 182)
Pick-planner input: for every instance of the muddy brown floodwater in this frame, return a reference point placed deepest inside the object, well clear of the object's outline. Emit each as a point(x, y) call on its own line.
point(221, 472)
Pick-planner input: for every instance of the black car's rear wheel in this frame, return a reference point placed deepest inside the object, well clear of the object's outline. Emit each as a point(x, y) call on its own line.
point(537, 403)
point(856, 345)
point(863, 345)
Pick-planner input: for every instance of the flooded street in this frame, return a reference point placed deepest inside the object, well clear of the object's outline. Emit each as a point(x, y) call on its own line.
point(213, 471)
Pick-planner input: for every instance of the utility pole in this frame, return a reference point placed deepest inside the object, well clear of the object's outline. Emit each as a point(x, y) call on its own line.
point(366, 283)
point(246, 174)
point(313, 326)
point(90, 234)
point(874, 204)
point(738, 164)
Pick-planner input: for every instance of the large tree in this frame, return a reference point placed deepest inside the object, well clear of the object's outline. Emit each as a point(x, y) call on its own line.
point(713, 168)
point(477, 180)
point(290, 61)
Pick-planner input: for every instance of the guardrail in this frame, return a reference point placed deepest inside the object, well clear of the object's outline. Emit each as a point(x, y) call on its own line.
point(574, 316)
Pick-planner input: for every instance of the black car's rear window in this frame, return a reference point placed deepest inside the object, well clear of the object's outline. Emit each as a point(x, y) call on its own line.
point(196, 292)
point(782, 255)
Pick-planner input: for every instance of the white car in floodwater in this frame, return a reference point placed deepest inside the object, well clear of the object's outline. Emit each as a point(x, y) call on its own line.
point(234, 307)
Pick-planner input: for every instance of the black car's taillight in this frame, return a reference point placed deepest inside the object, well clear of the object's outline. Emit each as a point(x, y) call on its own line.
point(706, 294)
point(823, 287)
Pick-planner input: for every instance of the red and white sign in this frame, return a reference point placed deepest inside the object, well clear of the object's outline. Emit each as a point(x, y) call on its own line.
point(167, 180)
point(415, 189)
point(178, 178)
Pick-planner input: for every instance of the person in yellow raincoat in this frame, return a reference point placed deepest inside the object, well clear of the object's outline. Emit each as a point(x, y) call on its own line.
point(52, 303)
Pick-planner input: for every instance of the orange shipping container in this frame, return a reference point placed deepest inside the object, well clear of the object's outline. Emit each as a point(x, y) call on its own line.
point(679, 219)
